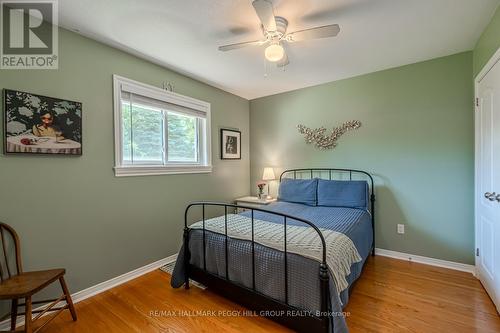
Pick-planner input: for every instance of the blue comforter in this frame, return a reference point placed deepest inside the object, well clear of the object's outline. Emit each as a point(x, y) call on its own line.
point(353, 222)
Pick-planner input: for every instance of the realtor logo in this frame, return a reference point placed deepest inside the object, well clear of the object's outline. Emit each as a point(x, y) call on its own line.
point(29, 36)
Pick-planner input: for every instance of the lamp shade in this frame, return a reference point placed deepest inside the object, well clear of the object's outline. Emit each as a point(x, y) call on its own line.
point(274, 52)
point(268, 174)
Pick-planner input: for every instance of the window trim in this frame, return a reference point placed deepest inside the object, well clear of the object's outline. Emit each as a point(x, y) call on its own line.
point(205, 163)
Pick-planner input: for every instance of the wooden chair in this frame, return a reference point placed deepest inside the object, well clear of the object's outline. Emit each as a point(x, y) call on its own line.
point(17, 285)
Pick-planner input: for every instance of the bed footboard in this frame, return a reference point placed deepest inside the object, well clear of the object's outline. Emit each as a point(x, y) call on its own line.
point(280, 311)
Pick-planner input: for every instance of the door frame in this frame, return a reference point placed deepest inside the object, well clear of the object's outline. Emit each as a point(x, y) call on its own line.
point(484, 71)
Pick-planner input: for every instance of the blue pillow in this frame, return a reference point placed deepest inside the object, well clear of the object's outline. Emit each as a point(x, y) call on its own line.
point(341, 193)
point(303, 191)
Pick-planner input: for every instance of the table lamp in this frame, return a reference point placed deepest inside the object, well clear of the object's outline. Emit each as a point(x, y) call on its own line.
point(267, 176)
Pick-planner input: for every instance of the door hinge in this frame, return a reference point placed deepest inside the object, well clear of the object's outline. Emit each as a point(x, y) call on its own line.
point(477, 102)
point(477, 252)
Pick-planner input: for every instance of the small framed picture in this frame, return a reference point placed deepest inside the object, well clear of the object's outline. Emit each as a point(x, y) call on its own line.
point(36, 124)
point(230, 144)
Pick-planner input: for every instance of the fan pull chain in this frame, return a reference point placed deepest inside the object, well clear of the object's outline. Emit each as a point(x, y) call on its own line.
point(266, 68)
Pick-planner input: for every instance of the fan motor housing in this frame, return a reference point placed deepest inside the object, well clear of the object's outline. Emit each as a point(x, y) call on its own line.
point(281, 26)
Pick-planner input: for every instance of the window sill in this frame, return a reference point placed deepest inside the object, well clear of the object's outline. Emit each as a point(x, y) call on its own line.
point(130, 171)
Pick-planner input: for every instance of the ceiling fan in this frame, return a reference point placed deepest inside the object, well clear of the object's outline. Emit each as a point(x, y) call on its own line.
point(275, 35)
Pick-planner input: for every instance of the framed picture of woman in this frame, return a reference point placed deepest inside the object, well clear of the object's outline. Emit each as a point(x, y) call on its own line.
point(230, 144)
point(36, 124)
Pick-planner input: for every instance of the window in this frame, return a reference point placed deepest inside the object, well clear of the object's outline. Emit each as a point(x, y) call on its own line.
point(159, 132)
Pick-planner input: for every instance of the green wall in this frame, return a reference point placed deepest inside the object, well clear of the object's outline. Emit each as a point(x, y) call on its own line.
point(73, 212)
point(416, 139)
point(488, 43)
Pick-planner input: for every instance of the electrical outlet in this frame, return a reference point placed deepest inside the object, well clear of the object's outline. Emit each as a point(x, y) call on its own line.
point(401, 228)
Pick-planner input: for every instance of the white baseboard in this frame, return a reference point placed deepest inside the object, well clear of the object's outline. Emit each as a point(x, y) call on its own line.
point(111, 283)
point(427, 260)
point(103, 286)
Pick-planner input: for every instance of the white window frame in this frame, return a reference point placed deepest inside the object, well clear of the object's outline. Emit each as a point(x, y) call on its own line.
point(204, 164)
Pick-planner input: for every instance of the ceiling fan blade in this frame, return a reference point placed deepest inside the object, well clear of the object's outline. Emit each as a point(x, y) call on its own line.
point(265, 12)
point(314, 33)
point(240, 45)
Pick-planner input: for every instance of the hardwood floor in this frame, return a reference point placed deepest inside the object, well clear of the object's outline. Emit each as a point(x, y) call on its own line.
point(391, 296)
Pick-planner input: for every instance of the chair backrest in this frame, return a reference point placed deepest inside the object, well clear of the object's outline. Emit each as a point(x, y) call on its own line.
point(8, 236)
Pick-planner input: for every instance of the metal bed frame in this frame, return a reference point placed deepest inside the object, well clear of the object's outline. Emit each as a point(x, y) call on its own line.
point(250, 297)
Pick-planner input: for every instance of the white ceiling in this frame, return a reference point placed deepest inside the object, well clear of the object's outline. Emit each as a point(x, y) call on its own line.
point(375, 34)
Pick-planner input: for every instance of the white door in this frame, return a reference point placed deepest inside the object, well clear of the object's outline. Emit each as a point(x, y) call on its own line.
point(488, 180)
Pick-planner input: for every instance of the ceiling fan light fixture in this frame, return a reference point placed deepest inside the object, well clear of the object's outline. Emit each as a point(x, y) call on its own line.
point(276, 36)
point(274, 52)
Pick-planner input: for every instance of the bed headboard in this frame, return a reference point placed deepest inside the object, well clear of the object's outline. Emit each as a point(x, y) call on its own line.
point(331, 174)
point(337, 174)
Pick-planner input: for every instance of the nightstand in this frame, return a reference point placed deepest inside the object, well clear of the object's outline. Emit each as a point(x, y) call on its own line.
point(253, 202)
